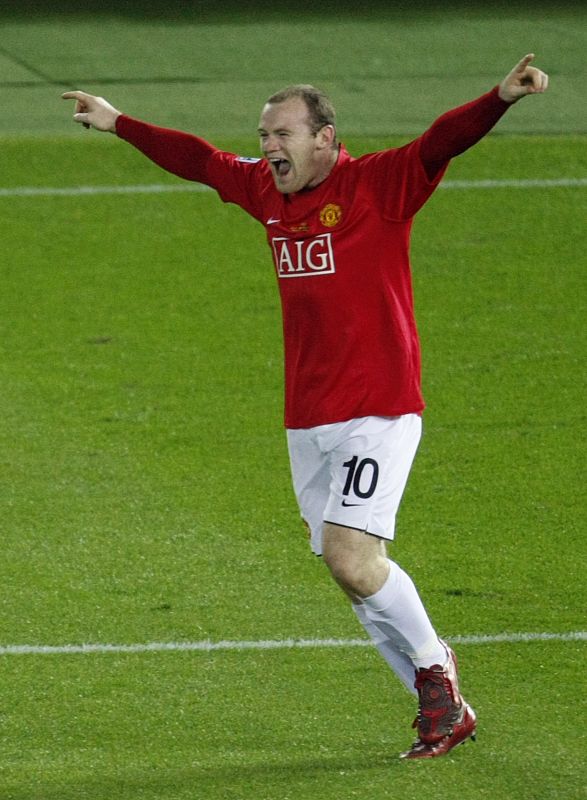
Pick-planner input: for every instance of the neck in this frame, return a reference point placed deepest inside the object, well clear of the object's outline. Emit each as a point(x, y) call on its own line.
point(331, 157)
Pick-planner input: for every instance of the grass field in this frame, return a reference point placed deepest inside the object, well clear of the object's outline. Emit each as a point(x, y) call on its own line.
point(143, 473)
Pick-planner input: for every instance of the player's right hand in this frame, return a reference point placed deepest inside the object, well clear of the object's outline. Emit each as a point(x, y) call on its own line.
point(93, 111)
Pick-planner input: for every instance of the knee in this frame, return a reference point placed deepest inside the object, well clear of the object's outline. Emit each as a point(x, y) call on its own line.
point(359, 572)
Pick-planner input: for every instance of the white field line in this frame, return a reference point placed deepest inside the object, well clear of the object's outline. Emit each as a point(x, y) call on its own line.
point(163, 188)
point(79, 191)
point(513, 183)
point(271, 644)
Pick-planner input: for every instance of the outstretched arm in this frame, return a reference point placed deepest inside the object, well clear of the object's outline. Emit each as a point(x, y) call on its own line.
point(462, 127)
point(181, 153)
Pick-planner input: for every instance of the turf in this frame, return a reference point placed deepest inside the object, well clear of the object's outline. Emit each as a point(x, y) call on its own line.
point(182, 734)
point(389, 68)
point(143, 469)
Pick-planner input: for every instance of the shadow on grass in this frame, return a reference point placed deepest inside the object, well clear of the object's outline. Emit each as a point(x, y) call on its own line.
point(191, 783)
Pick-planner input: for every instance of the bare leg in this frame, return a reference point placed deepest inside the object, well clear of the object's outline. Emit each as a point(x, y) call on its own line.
point(388, 598)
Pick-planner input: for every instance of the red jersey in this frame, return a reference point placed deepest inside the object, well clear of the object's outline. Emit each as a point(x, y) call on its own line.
point(341, 258)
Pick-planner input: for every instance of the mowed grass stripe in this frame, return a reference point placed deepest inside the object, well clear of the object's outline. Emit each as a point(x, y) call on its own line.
point(160, 188)
point(272, 644)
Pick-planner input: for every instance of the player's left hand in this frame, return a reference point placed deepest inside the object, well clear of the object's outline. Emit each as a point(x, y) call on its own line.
point(523, 80)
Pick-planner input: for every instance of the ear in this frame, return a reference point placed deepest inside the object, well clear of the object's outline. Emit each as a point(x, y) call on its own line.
point(326, 136)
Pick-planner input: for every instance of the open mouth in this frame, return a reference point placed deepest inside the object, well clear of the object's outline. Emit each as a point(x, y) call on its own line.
point(281, 166)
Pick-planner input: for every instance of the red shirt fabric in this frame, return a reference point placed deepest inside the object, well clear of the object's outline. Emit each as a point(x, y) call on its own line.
point(341, 258)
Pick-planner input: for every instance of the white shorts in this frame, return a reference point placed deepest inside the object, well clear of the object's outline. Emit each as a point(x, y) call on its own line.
point(353, 473)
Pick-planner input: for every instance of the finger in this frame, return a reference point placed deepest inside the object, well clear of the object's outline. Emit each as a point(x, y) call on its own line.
point(74, 95)
point(83, 119)
point(79, 97)
point(81, 108)
point(524, 62)
point(536, 81)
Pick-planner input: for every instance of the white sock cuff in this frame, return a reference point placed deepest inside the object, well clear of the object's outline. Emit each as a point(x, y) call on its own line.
point(385, 596)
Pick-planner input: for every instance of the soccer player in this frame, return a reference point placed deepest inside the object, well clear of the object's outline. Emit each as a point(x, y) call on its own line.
point(339, 229)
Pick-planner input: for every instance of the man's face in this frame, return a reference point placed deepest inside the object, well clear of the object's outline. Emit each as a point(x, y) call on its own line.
point(299, 159)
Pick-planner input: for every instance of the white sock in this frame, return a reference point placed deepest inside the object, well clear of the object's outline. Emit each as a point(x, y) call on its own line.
point(397, 611)
point(398, 661)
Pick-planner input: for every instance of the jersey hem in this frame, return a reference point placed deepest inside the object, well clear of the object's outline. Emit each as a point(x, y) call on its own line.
point(335, 421)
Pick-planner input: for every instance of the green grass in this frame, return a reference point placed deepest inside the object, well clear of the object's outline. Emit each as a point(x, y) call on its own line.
point(143, 473)
point(183, 735)
point(147, 496)
point(389, 69)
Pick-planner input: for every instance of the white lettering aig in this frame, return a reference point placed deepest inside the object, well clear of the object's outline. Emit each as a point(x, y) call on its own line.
point(296, 258)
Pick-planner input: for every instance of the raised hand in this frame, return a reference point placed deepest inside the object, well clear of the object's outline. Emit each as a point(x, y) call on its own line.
point(523, 80)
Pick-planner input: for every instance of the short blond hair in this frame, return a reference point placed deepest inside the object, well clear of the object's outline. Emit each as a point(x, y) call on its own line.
point(320, 109)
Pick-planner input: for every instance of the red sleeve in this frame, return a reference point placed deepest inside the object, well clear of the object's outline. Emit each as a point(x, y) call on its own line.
point(402, 179)
point(459, 129)
point(397, 180)
point(177, 152)
point(237, 180)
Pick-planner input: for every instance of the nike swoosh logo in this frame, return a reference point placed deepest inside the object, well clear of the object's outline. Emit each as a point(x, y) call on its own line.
point(272, 221)
point(349, 505)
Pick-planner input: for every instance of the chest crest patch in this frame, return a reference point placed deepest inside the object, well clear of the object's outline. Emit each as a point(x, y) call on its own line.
point(331, 215)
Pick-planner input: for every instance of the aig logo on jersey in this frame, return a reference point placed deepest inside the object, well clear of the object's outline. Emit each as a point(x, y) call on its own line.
point(297, 258)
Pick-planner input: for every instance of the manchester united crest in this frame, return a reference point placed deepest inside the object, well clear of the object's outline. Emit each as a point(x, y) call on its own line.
point(330, 215)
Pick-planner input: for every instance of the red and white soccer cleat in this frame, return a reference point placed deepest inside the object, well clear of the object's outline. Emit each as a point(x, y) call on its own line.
point(444, 718)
